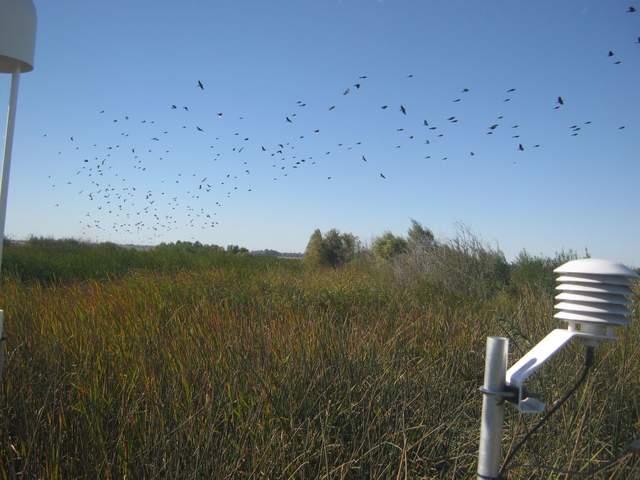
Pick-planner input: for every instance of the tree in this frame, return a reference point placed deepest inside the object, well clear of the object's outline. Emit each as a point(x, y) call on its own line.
point(334, 249)
point(388, 246)
point(314, 255)
point(419, 236)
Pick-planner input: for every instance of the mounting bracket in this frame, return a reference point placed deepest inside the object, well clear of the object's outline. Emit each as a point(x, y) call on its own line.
point(518, 374)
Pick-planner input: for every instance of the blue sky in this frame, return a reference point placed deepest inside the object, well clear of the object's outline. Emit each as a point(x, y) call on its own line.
point(258, 58)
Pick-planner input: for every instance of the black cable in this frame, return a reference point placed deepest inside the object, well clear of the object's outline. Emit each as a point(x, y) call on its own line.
point(588, 363)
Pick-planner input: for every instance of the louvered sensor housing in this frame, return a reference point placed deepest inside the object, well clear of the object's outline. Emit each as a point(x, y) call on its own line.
point(593, 296)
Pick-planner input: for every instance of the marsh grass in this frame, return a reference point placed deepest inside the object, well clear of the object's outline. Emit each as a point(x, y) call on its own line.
point(238, 367)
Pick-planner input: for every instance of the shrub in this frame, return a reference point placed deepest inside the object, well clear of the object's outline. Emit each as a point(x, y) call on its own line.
point(463, 265)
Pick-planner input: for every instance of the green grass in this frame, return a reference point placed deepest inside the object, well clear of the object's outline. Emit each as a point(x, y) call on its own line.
point(201, 364)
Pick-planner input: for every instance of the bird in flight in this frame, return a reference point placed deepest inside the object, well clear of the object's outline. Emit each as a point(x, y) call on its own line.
point(611, 54)
point(560, 100)
point(288, 120)
point(403, 109)
point(199, 129)
point(200, 85)
point(520, 147)
point(332, 107)
point(384, 107)
point(631, 9)
point(382, 176)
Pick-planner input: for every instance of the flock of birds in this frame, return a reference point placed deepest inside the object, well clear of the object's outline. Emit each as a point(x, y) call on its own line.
point(120, 201)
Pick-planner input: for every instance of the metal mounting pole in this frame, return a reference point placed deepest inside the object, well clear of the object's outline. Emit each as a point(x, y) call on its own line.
point(4, 192)
point(8, 147)
point(495, 369)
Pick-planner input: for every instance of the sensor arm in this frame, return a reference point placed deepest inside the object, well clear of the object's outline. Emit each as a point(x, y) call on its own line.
point(518, 374)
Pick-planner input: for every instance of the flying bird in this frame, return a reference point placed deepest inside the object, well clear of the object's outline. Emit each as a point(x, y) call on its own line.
point(631, 9)
point(382, 176)
point(403, 109)
point(288, 120)
point(332, 107)
point(611, 54)
point(520, 147)
point(384, 107)
point(560, 100)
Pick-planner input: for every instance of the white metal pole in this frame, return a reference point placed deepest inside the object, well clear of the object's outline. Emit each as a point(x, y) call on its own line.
point(495, 368)
point(8, 147)
point(4, 192)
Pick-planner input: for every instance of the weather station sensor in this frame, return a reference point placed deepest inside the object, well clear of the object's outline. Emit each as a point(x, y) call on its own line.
point(593, 301)
point(17, 47)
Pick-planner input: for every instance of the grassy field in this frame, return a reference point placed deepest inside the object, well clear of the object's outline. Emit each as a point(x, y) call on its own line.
point(188, 363)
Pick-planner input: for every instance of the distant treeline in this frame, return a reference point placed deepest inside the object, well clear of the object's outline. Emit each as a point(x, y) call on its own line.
point(463, 265)
point(46, 260)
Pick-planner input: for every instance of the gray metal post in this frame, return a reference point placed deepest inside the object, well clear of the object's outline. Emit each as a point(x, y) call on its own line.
point(4, 185)
point(495, 368)
point(8, 148)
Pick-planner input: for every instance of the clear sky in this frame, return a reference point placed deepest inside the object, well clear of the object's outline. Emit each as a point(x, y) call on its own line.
point(259, 59)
